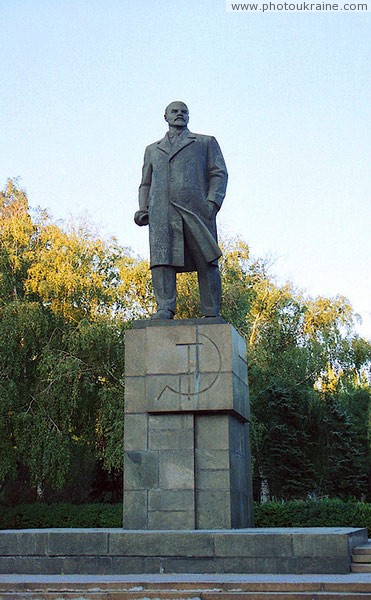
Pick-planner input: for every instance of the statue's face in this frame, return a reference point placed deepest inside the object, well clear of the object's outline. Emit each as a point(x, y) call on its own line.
point(177, 114)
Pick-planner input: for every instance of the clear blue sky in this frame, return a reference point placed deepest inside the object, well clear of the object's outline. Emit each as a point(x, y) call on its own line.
point(83, 88)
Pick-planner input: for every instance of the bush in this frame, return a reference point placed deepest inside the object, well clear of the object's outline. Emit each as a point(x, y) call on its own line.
point(295, 513)
point(313, 513)
point(32, 516)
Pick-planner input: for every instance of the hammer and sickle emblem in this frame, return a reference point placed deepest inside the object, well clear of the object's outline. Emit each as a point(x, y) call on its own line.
point(192, 382)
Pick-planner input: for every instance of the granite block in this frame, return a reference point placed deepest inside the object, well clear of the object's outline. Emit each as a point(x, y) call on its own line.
point(213, 509)
point(13, 542)
point(162, 543)
point(140, 470)
point(212, 459)
point(218, 342)
point(135, 395)
point(135, 435)
point(171, 439)
point(176, 470)
point(212, 392)
point(171, 520)
point(212, 432)
point(241, 402)
point(127, 565)
point(213, 479)
point(75, 542)
point(92, 565)
point(238, 435)
point(189, 392)
point(172, 500)
point(239, 356)
point(174, 421)
point(238, 472)
point(135, 509)
point(242, 510)
point(178, 350)
point(193, 565)
point(135, 352)
point(312, 546)
point(261, 545)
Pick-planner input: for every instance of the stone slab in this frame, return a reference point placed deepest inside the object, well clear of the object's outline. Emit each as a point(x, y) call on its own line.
point(98, 551)
point(144, 323)
point(141, 470)
point(201, 367)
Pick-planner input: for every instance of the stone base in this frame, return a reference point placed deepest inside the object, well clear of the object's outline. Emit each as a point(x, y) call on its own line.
point(187, 450)
point(117, 551)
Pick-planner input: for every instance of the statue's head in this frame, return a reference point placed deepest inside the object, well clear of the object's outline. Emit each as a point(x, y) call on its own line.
point(176, 114)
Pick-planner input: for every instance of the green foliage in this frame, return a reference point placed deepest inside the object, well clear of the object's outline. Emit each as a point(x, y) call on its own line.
point(313, 513)
point(61, 346)
point(59, 388)
point(32, 516)
point(135, 294)
point(284, 452)
point(342, 466)
point(238, 278)
point(305, 361)
point(66, 299)
point(25, 328)
point(84, 375)
point(295, 513)
point(16, 241)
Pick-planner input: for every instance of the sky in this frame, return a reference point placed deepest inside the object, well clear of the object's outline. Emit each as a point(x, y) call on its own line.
point(84, 84)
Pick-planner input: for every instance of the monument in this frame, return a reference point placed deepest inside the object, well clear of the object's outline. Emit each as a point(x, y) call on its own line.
point(187, 451)
point(187, 477)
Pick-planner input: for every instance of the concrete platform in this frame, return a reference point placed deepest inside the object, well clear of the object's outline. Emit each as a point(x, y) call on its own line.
point(118, 551)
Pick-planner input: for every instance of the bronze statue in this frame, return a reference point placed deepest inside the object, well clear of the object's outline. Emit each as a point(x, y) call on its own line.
point(184, 181)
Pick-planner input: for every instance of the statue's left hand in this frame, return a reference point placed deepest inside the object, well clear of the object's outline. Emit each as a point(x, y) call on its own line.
point(141, 218)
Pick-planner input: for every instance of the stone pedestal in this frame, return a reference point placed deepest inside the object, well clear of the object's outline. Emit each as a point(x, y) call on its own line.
point(187, 455)
point(118, 552)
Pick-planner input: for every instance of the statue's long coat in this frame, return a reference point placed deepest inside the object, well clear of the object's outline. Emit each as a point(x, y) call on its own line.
point(178, 183)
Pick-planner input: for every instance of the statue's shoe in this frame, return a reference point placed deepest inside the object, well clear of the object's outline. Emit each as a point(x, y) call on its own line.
point(163, 314)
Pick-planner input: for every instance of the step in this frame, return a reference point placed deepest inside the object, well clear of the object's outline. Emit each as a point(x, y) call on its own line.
point(189, 587)
point(178, 596)
point(360, 567)
point(364, 549)
point(361, 558)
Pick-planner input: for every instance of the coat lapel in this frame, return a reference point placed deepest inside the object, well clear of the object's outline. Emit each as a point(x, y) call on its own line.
point(172, 150)
point(164, 145)
point(184, 141)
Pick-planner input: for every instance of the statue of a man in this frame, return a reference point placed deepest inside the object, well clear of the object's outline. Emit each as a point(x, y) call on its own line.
point(184, 181)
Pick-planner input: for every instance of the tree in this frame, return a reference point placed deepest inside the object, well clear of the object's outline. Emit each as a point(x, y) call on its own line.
point(284, 454)
point(340, 453)
point(61, 346)
point(25, 329)
point(73, 272)
point(67, 297)
point(16, 241)
point(295, 343)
